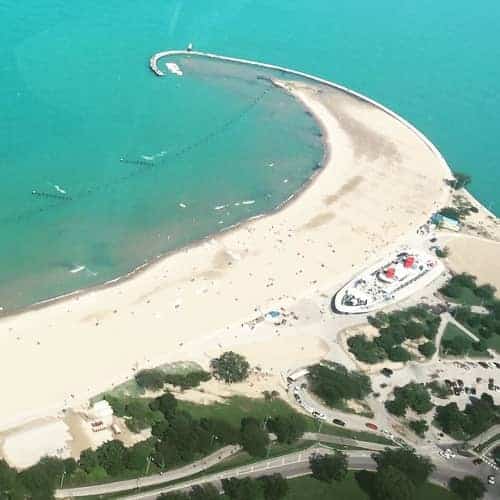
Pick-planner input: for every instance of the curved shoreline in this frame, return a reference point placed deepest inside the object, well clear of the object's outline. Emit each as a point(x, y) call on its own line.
point(153, 64)
point(138, 324)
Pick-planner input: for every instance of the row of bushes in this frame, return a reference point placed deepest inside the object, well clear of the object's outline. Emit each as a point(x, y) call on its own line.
point(412, 395)
point(334, 384)
point(230, 367)
point(479, 415)
point(394, 328)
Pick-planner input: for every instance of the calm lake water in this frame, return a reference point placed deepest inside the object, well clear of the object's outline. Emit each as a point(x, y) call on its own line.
point(146, 161)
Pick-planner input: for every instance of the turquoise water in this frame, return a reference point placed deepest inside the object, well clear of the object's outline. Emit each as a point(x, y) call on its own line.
point(76, 95)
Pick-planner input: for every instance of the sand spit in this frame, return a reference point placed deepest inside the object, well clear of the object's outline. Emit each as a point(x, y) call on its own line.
point(381, 181)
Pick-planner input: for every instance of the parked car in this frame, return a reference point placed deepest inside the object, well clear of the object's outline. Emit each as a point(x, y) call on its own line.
point(372, 426)
point(496, 364)
point(491, 479)
point(477, 461)
point(386, 371)
point(319, 415)
point(337, 421)
point(483, 364)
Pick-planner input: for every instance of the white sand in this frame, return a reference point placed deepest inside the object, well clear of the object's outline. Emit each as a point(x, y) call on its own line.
point(380, 183)
point(26, 446)
point(476, 256)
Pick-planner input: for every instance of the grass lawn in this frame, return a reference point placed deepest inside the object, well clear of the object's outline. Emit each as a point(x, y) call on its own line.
point(494, 342)
point(466, 297)
point(307, 488)
point(451, 331)
point(237, 407)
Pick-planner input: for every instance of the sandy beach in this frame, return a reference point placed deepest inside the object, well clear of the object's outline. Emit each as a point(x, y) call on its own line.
point(379, 184)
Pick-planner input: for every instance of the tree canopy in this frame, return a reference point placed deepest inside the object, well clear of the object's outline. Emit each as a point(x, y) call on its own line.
point(254, 438)
point(333, 383)
point(468, 488)
point(288, 428)
point(416, 467)
point(274, 487)
point(412, 395)
point(329, 467)
point(230, 367)
point(241, 489)
point(392, 484)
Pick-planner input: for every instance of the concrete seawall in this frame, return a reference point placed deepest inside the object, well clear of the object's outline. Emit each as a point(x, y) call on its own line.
point(153, 63)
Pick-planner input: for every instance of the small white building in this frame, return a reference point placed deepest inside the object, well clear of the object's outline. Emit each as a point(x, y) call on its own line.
point(100, 416)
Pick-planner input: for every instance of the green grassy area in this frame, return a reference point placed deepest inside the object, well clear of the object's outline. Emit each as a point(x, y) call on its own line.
point(466, 297)
point(451, 331)
point(494, 342)
point(131, 389)
point(307, 488)
point(237, 407)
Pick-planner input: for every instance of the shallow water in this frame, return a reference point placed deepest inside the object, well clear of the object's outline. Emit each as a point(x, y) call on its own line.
point(77, 95)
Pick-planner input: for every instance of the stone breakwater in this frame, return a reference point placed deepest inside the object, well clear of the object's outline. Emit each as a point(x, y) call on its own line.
point(154, 65)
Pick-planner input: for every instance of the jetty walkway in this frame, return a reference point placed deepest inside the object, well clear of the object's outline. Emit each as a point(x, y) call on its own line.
point(154, 65)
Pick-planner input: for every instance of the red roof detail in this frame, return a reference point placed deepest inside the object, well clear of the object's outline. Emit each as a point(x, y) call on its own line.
point(390, 272)
point(409, 261)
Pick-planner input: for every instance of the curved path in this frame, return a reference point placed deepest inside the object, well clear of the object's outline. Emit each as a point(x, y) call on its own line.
point(297, 464)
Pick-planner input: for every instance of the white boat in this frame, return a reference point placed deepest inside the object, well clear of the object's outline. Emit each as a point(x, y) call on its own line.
point(388, 281)
point(174, 68)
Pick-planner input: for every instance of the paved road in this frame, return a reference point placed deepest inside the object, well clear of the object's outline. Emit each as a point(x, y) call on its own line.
point(196, 467)
point(296, 464)
point(117, 486)
point(486, 435)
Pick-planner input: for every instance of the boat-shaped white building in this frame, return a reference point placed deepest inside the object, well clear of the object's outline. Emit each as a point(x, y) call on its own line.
point(387, 282)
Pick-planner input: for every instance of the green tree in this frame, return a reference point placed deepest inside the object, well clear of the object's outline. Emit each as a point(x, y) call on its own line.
point(230, 367)
point(420, 427)
point(254, 438)
point(457, 346)
point(274, 487)
point(392, 484)
point(287, 428)
point(428, 349)
point(139, 455)
point(41, 479)
point(153, 379)
point(468, 488)
point(333, 383)
point(399, 354)
point(112, 457)
point(88, 460)
point(415, 467)
point(166, 404)
point(241, 489)
point(329, 467)
point(204, 492)
point(10, 486)
point(141, 415)
point(365, 350)
point(396, 407)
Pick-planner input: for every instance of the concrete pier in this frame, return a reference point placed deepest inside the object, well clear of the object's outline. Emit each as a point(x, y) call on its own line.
point(154, 65)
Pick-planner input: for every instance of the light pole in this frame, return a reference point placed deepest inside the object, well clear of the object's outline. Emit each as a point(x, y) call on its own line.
point(62, 478)
point(148, 464)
